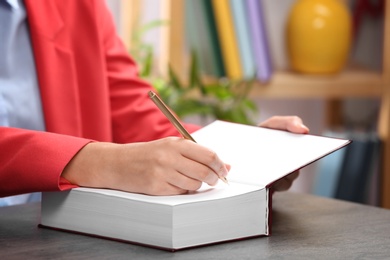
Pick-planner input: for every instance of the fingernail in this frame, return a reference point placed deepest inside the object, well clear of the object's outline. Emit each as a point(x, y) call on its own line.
point(302, 126)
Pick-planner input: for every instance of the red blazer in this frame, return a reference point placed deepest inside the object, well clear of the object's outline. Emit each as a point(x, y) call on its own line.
point(90, 90)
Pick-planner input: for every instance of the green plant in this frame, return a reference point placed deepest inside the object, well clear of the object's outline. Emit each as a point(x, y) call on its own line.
point(143, 52)
point(221, 99)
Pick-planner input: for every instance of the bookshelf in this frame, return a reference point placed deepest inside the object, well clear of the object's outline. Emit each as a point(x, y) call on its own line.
point(384, 122)
point(352, 82)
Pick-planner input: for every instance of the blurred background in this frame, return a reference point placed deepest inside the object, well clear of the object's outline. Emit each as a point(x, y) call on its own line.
point(345, 101)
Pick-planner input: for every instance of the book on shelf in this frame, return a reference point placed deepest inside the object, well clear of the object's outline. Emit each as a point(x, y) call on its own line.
point(201, 35)
point(329, 169)
point(359, 171)
point(226, 212)
point(351, 173)
point(260, 45)
point(227, 38)
point(372, 191)
point(240, 22)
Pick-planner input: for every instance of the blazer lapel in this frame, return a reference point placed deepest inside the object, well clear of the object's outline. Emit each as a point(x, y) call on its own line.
point(55, 67)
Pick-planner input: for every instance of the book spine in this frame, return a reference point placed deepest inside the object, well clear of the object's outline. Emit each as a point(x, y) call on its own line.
point(200, 40)
point(259, 40)
point(241, 27)
point(227, 37)
point(373, 186)
point(195, 37)
point(191, 30)
point(209, 30)
point(356, 169)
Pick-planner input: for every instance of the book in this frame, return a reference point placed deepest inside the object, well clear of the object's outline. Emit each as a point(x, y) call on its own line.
point(373, 186)
point(357, 165)
point(243, 38)
point(227, 38)
point(259, 38)
point(201, 35)
point(275, 14)
point(242, 209)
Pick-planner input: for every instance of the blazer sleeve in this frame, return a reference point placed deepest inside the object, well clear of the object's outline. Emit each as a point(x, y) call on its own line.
point(134, 116)
point(33, 161)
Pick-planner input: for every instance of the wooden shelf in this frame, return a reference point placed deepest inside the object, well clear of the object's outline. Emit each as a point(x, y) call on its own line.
point(349, 83)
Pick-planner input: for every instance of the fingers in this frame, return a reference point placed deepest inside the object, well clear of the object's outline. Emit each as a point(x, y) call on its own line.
point(169, 166)
point(286, 182)
point(209, 166)
point(292, 124)
point(173, 185)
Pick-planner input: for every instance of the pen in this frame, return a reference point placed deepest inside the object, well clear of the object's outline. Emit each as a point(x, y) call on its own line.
point(172, 118)
point(167, 112)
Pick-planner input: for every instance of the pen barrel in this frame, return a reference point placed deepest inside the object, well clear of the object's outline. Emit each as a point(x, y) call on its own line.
point(171, 117)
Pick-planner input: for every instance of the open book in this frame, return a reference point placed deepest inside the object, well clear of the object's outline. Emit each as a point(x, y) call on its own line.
point(237, 210)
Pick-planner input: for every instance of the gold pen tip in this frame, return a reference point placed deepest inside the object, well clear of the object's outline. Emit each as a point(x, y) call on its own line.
point(224, 179)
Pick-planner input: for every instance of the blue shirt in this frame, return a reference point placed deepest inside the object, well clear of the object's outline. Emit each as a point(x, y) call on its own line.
point(20, 102)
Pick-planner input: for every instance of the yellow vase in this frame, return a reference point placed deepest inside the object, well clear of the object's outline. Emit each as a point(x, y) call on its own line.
point(318, 35)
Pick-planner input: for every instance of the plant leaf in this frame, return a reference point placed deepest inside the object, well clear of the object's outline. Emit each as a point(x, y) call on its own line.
point(174, 79)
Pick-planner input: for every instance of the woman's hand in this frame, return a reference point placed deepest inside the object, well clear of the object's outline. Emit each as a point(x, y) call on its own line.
point(166, 166)
point(292, 124)
point(163, 167)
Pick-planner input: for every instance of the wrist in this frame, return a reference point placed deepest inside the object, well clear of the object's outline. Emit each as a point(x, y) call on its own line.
point(90, 167)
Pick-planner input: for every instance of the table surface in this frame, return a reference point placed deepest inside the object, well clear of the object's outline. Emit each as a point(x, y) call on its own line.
point(304, 227)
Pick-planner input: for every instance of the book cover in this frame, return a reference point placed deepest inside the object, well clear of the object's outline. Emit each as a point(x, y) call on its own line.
point(227, 38)
point(202, 37)
point(258, 157)
point(241, 27)
point(259, 40)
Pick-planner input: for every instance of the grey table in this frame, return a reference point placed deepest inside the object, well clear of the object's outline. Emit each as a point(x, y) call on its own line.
point(304, 227)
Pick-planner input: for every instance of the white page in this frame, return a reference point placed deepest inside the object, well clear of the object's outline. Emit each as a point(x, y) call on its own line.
point(205, 193)
point(260, 155)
